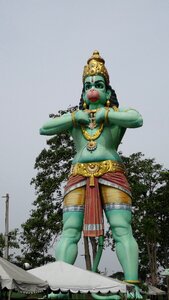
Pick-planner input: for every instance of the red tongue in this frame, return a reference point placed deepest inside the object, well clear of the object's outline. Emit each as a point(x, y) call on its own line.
point(93, 95)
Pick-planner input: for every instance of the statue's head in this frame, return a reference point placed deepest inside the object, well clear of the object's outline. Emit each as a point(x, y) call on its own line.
point(96, 86)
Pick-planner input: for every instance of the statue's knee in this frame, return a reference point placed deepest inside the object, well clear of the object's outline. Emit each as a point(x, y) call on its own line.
point(72, 226)
point(119, 232)
point(120, 223)
point(72, 233)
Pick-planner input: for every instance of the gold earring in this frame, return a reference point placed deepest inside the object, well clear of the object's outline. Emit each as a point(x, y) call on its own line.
point(108, 103)
point(84, 105)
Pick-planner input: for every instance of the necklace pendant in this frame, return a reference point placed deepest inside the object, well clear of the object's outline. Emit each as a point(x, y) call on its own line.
point(91, 145)
point(92, 125)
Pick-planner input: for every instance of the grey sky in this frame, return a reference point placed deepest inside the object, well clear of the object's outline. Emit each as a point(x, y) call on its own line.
point(44, 45)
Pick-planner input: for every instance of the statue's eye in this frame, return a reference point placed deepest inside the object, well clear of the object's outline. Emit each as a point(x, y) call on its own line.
point(99, 85)
point(87, 87)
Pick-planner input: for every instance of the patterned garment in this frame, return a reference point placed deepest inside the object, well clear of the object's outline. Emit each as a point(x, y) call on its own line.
point(110, 191)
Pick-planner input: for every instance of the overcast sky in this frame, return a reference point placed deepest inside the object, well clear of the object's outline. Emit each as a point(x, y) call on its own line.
point(44, 45)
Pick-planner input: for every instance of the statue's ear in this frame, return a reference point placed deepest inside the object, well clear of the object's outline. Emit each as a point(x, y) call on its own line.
point(108, 94)
point(84, 96)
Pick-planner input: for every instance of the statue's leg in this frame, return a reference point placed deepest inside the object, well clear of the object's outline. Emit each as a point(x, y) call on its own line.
point(126, 246)
point(117, 206)
point(67, 249)
point(73, 211)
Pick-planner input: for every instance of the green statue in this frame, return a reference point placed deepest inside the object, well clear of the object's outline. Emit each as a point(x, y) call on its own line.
point(97, 178)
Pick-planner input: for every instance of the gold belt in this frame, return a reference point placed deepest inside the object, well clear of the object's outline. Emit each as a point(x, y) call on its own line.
point(96, 169)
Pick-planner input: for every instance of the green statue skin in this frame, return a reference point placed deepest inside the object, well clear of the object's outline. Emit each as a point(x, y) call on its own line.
point(107, 145)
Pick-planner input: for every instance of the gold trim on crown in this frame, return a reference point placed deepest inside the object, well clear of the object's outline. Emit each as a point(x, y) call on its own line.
point(95, 66)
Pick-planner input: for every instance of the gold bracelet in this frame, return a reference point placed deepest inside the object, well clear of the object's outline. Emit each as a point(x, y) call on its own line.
point(106, 116)
point(73, 118)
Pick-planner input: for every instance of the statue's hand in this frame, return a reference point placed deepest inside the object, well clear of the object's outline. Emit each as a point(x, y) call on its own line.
point(100, 115)
point(81, 117)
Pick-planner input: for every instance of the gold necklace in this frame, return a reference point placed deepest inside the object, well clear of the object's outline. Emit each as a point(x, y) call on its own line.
point(91, 145)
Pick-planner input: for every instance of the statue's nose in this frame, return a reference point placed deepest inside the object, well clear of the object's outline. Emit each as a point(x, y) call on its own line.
point(92, 91)
point(93, 94)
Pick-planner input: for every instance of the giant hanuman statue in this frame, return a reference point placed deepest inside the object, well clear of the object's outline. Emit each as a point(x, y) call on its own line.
point(97, 180)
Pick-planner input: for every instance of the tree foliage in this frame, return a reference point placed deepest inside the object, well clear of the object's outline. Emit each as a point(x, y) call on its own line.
point(150, 188)
point(13, 243)
point(45, 223)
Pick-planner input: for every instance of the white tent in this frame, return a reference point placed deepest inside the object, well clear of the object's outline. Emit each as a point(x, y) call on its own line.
point(65, 277)
point(15, 278)
point(165, 272)
point(152, 290)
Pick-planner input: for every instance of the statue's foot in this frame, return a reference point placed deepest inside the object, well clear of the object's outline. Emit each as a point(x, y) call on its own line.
point(135, 294)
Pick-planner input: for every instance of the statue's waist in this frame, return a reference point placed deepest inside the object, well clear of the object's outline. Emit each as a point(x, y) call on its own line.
point(96, 169)
point(100, 154)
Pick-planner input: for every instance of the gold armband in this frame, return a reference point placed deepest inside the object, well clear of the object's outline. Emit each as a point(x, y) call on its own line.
point(73, 118)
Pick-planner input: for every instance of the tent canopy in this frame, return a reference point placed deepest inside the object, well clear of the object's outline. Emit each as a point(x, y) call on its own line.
point(152, 290)
point(65, 277)
point(15, 278)
point(165, 272)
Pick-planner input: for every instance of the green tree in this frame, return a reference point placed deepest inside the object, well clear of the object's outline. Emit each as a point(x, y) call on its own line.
point(13, 243)
point(45, 223)
point(150, 207)
point(2, 244)
point(162, 197)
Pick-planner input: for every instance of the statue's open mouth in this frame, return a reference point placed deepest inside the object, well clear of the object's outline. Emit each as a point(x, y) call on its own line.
point(94, 99)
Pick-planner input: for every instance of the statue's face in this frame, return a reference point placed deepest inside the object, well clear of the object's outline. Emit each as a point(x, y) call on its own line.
point(95, 92)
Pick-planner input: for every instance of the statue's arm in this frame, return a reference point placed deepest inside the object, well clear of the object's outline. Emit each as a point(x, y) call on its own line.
point(129, 118)
point(57, 125)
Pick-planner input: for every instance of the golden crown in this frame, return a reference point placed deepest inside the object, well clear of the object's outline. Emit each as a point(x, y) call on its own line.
point(95, 66)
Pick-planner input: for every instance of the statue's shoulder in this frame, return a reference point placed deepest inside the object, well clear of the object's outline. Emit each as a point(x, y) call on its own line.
point(124, 109)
